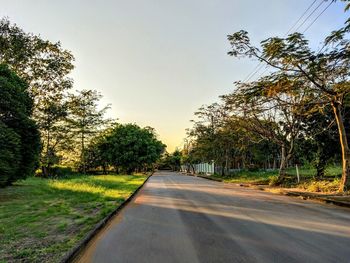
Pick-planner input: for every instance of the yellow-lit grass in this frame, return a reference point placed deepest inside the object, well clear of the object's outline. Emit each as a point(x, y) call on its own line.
point(42, 219)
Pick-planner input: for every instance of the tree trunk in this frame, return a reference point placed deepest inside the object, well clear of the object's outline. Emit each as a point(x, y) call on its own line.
point(82, 152)
point(46, 168)
point(282, 171)
point(345, 183)
point(321, 162)
point(193, 169)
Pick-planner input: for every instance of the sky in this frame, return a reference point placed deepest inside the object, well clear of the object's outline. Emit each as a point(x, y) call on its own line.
point(157, 61)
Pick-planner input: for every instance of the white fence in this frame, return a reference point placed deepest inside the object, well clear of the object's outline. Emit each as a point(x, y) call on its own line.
point(205, 168)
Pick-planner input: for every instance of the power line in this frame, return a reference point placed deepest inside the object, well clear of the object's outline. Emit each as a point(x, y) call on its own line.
point(307, 18)
point(301, 17)
point(252, 73)
point(331, 2)
point(261, 65)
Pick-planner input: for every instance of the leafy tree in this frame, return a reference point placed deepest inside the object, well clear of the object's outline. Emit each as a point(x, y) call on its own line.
point(128, 147)
point(98, 153)
point(55, 133)
point(45, 67)
point(84, 117)
point(171, 161)
point(42, 64)
point(19, 136)
point(321, 138)
point(325, 73)
point(268, 109)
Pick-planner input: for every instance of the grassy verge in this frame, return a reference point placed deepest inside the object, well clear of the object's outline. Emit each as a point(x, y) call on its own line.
point(41, 219)
point(249, 177)
point(307, 183)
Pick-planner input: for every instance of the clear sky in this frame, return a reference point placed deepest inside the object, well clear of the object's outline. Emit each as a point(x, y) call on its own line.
point(157, 61)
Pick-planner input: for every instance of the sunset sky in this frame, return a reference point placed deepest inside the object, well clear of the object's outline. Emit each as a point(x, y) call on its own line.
point(157, 61)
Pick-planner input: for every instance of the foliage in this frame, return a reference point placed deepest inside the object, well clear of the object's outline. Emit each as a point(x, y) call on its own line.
point(57, 171)
point(296, 114)
point(45, 67)
point(42, 64)
point(128, 147)
point(19, 136)
point(85, 119)
point(321, 186)
point(171, 161)
point(322, 76)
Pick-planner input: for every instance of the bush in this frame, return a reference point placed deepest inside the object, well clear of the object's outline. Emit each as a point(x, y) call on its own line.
point(273, 181)
point(9, 154)
point(57, 172)
point(321, 186)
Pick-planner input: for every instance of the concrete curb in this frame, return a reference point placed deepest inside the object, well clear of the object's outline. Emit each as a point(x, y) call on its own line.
point(211, 178)
point(317, 198)
point(288, 193)
point(71, 255)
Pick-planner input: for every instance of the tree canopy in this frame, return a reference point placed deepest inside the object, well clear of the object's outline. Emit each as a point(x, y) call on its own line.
point(19, 135)
point(127, 147)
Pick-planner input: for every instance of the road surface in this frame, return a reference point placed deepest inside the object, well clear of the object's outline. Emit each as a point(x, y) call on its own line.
point(178, 218)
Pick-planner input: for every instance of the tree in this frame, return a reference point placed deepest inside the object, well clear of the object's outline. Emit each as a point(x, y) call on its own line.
point(325, 73)
point(19, 136)
point(45, 67)
point(84, 117)
point(128, 147)
point(320, 136)
point(55, 133)
point(269, 109)
point(42, 64)
point(98, 153)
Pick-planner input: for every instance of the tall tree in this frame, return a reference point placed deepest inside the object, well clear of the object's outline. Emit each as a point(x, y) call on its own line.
point(325, 72)
point(269, 109)
point(45, 67)
point(42, 64)
point(85, 118)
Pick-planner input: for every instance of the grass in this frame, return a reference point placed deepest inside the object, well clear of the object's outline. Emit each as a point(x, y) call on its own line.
point(41, 219)
point(306, 176)
point(256, 177)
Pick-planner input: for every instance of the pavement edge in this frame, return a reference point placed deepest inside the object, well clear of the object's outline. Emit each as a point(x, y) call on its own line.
point(74, 252)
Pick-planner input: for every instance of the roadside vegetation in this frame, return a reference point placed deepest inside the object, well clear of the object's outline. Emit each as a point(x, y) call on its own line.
point(329, 183)
point(41, 219)
point(53, 142)
point(46, 125)
point(296, 113)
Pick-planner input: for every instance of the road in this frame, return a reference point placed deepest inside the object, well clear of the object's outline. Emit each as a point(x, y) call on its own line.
point(178, 218)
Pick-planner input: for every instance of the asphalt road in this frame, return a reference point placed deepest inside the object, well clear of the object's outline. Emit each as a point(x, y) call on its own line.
point(177, 218)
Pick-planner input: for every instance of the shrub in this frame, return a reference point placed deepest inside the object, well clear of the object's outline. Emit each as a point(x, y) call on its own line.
point(57, 172)
point(273, 181)
point(321, 186)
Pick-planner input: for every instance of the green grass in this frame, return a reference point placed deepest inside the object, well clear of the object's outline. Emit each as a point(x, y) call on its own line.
point(264, 177)
point(41, 219)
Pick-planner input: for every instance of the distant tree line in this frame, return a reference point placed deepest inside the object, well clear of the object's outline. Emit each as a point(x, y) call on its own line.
point(297, 113)
point(43, 123)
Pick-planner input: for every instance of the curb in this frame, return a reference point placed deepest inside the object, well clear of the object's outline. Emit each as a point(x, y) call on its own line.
point(210, 178)
point(71, 255)
point(204, 177)
point(322, 199)
point(291, 194)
